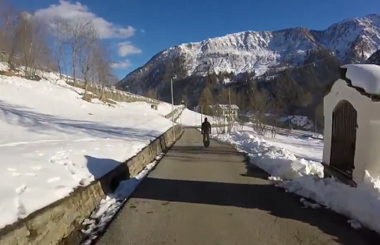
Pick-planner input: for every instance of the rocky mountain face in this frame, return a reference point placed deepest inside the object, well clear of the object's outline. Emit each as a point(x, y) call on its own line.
point(374, 58)
point(259, 56)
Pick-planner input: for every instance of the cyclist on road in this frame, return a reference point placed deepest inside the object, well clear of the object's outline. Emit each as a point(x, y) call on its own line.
point(206, 130)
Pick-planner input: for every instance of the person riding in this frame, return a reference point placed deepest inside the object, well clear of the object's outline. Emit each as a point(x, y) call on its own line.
point(206, 130)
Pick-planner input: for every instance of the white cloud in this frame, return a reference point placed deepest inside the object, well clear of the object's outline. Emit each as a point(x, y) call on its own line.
point(72, 11)
point(127, 48)
point(121, 65)
point(143, 31)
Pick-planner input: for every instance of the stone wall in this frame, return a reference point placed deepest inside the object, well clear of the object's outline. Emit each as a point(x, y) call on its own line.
point(56, 221)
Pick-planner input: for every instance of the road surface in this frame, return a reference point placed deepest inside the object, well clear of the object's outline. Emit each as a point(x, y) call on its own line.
point(206, 196)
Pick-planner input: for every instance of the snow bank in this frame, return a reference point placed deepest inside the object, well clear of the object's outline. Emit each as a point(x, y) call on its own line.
point(361, 204)
point(279, 162)
point(366, 76)
point(305, 178)
point(52, 141)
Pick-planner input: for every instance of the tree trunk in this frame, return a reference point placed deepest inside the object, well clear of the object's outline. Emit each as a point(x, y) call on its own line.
point(73, 67)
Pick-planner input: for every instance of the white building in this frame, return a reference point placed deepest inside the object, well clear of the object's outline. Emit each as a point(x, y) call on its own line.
point(352, 122)
point(225, 110)
point(297, 120)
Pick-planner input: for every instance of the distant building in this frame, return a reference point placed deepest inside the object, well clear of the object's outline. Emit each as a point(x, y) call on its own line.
point(225, 110)
point(296, 121)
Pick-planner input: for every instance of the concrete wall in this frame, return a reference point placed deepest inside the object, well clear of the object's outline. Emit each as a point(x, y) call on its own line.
point(56, 221)
point(373, 142)
point(362, 104)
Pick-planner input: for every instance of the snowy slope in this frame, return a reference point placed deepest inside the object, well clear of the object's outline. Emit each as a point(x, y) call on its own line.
point(192, 118)
point(352, 40)
point(52, 141)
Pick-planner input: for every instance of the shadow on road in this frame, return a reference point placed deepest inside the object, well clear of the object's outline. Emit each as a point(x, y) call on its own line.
point(253, 171)
point(191, 154)
point(195, 150)
point(264, 197)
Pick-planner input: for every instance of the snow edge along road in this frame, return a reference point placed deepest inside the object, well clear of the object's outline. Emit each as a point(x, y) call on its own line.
point(56, 221)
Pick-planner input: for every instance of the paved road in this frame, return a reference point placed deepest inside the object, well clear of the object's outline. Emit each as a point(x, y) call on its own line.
point(199, 196)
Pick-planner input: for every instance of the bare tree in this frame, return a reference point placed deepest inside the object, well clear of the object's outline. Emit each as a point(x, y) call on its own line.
point(87, 54)
point(76, 33)
point(261, 104)
point(103, 70)
point(9, 18)
point(32, 44)
point(59, 29)
point(152, 93)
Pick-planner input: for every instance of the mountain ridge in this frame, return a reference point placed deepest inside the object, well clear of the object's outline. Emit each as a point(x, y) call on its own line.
point(257, 52)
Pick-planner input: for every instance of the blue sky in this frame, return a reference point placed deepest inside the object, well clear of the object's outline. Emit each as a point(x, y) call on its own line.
point(138, 29)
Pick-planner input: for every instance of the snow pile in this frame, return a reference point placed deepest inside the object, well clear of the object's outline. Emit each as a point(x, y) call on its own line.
point(305, 178)
point(366, 76)
point(109, 206)
point(52, 141)
point(362, 204)
point(279, 162)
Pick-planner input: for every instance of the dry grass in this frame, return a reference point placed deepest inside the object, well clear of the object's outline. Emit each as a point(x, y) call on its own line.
point(8, 73)
point(110, 96)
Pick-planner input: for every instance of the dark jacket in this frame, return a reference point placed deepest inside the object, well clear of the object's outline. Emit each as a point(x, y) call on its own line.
point(206, 127)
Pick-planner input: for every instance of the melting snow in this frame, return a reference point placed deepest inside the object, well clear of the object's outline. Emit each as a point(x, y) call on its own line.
point(294, 164)
point(112, 204)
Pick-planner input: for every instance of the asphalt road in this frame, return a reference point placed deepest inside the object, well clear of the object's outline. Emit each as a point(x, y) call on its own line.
point(207, 196)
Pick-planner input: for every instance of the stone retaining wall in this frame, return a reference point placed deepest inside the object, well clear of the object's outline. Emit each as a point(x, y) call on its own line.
point(51, 224)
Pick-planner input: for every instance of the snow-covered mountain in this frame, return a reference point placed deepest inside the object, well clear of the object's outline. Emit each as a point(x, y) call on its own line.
point(374, 58)
point(351, 41)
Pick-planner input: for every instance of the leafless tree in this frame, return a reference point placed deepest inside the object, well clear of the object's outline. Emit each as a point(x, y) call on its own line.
point(9, 18)
point(76, 33)
point(59, 29)
point(102, 68)
point(32, 44)
point(220, 124)
point(87, 55)
point(152, 93)
point(261, 104)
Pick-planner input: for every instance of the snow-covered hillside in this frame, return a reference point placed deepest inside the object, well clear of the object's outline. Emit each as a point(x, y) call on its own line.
point(352, 40)
point(53, 141)
point(192, 118)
